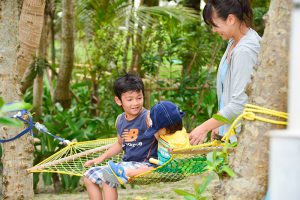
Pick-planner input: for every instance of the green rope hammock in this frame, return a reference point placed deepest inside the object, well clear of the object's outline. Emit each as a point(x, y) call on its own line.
point(70, 160)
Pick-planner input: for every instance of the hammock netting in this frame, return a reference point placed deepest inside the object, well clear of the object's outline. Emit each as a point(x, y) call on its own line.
point(70, 160)
point(183, 162)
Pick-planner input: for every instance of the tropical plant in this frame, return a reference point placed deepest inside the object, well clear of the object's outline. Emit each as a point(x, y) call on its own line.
point(199, 189)
point(217, 165)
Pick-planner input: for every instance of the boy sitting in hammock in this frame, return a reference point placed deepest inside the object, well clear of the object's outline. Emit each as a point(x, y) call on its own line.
point(131, 126)
point(167, 127)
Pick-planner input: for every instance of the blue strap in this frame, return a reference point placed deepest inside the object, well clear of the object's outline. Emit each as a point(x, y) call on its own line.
point(42, 128)
point(28, 129)
point(31, 124)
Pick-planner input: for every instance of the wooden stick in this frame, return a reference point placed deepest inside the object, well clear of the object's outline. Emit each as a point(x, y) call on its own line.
point(202, 150)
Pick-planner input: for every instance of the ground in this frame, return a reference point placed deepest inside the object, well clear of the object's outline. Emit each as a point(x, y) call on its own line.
point(160, 191)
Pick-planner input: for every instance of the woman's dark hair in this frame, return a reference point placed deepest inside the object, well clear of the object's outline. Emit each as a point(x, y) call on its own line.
point(129, 82)
point(240, 8)
point(174, 127)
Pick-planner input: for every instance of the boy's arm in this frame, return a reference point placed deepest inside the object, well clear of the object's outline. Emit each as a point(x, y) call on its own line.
point(113, 150)
point(148, 120)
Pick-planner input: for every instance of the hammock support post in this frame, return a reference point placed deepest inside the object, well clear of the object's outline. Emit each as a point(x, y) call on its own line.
point(284, 168)
point(284, 178)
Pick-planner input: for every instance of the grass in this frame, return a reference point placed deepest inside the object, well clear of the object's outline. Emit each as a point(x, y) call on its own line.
point(159, 191)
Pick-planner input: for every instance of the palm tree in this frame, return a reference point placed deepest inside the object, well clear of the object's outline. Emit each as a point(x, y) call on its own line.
point(17, 154)
point(30, 28)
point(62, 92)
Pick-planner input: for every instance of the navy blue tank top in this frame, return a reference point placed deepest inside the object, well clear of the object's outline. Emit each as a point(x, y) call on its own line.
point(137, 147)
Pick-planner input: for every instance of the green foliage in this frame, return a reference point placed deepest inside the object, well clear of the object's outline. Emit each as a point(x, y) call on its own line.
point(220, 118)
point(218, 163)
point(258, 13)
point(15, 106)
point(198, 189)
point(10, 122)
point(12, 107)
point(199, 102)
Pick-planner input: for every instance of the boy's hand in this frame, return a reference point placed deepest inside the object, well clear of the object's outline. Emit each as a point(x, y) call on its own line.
point(88, 163)
point(92, 162)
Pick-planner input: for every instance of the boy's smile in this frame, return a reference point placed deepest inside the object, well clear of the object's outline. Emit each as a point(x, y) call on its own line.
point(132, 102)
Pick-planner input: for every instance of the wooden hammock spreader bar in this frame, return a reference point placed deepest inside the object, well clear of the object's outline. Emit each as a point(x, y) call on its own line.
point(200, 150)
point(66, 159)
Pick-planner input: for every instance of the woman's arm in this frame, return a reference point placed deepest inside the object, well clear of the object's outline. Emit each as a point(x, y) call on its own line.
point(200, 132)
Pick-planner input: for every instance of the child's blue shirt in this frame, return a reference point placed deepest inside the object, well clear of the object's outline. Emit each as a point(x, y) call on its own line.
point(137, 147)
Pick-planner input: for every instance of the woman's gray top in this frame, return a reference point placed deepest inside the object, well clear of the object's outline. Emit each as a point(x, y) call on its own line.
point(238, 75)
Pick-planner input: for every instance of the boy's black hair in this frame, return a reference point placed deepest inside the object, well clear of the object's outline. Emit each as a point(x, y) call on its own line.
point(174, 127)
point(128, 82)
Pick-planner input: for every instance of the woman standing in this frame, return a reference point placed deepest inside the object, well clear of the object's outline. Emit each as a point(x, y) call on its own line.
point(232, 20)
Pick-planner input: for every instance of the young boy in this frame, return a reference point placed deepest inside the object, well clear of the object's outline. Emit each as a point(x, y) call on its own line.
point(137, 147)
point(167, 127)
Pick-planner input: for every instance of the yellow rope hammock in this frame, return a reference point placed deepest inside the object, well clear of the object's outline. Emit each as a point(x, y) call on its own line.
point(183, 161)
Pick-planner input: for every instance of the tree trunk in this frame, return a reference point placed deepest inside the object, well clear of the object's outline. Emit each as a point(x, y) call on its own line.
point(125, 53)
point(188, 60)
point(94, 97)
point(138, 47)
point(269, 89)
point(49, 73)
point(38, 96)
point(137, 53)
point(62, 92)
point(38, 81)
point(127, 41)
point(195, 4)
point(31, 24)
point(18, 154)
point(51, 10)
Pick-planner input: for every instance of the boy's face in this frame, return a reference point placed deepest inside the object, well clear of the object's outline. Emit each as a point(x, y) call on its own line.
point(132, 102)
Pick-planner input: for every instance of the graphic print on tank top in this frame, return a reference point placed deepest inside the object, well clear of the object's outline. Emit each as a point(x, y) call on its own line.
point(130, 135)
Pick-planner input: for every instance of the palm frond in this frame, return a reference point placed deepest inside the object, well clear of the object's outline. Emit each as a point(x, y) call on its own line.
point(179, 13)
point(122, 13)
point(152, 16)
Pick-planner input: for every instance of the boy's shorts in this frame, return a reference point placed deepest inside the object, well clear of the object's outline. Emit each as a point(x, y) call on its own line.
point(95, 174)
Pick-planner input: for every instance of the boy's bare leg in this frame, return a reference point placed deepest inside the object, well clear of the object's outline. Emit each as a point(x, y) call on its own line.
point(134, 172)
point(109, 192)
point(94, 191)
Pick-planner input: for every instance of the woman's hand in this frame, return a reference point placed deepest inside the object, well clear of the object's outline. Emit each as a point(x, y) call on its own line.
point(214, 134)
point(198, 135)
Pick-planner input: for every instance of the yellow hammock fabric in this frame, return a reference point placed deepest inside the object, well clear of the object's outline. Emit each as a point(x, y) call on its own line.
point(183, 162)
